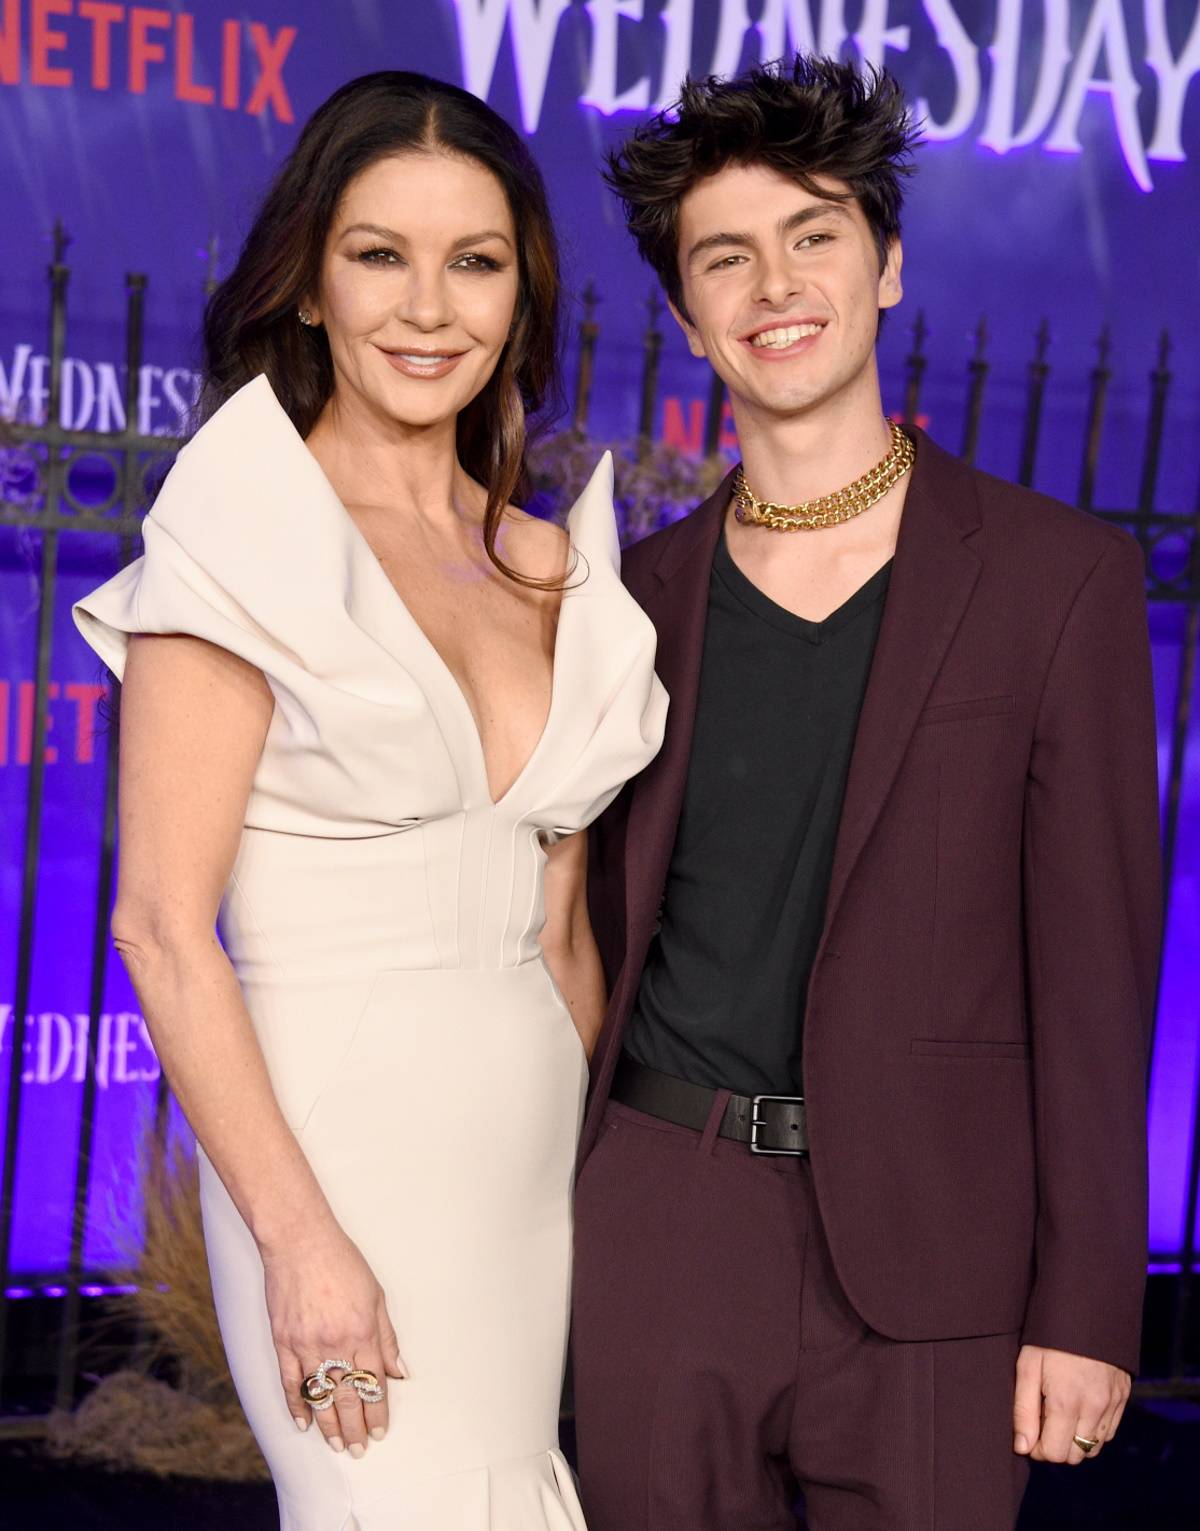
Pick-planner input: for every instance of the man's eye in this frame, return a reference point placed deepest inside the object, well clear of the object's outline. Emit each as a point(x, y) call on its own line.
point(814, 239)
point(726, 260)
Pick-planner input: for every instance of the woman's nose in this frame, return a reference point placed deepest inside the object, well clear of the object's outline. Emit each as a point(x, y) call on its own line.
point(426, 301)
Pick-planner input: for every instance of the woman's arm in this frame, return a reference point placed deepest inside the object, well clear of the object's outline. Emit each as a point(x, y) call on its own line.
point(193, 722)
point(567, 939)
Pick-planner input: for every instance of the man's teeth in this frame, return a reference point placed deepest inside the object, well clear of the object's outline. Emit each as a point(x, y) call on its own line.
point(778, 339)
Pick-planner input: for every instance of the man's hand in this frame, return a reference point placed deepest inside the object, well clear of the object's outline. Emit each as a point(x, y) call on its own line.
point(1060, 1396)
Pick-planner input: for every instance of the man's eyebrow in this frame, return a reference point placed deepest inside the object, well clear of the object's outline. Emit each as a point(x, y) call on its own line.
point(384, 233)
point(811, 214)
point(718, 241)
point(723, 239)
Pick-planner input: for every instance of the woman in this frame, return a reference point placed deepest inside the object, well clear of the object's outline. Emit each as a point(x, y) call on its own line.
point(370, 709)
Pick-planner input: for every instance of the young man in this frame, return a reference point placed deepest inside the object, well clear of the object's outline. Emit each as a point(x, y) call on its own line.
point(861, 1211)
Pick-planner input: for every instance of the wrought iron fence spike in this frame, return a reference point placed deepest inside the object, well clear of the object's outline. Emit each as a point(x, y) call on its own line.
point(981, 337)
point(60, 239)
point(1043, 339)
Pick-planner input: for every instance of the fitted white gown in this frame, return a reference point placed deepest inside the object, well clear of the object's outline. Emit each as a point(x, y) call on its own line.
point(383, 918)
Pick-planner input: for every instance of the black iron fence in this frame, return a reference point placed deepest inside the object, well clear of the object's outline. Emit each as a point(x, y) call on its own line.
point(49, 506)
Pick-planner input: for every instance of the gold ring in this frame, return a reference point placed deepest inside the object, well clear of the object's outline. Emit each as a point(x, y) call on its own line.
point(317, 1391)
point(1085, 1443)
point(365, 1384)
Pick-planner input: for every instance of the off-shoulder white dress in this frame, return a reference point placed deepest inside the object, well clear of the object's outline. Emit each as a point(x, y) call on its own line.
point(383, 918)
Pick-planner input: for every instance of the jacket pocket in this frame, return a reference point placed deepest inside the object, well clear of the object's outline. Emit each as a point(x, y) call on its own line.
point(974, 707)
point(930, 1047)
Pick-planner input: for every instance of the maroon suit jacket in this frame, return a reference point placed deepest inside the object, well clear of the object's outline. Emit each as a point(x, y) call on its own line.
point(978, 1010)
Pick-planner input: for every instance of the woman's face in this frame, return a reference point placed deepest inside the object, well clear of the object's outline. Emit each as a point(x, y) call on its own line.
point(418, 286)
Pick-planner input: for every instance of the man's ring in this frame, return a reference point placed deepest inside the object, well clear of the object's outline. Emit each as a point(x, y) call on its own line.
point(1085, 1443)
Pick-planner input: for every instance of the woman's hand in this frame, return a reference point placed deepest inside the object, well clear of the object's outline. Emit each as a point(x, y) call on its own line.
point(324, 1303)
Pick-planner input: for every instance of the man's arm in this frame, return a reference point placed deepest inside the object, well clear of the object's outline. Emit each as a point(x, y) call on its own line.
point(1093, 884)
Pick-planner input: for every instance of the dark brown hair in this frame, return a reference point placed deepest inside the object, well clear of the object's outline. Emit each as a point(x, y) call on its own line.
point(251, 325)
point(814, 116)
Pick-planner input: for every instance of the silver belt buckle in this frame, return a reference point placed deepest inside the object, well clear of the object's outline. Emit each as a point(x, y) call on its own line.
point(757, 1123)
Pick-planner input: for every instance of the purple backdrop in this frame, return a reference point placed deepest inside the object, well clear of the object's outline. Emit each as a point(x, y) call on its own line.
point(1059, 181)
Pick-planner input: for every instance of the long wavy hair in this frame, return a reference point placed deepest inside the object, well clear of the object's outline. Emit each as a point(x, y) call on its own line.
point(250, 322)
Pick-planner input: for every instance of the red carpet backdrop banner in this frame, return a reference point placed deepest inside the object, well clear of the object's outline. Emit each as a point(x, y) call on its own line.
point(1059, 182)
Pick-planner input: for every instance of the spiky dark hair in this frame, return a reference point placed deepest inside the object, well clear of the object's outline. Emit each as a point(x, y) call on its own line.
point(805, 118)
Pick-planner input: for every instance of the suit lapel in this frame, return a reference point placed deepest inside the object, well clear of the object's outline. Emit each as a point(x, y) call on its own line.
point(679, 609)
point(933, 575)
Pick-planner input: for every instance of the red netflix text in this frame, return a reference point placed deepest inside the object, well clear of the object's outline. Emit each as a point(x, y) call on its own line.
point(70, 721)
point(235, 64)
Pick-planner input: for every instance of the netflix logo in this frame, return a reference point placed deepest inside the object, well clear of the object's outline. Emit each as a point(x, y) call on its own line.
point(235, 64)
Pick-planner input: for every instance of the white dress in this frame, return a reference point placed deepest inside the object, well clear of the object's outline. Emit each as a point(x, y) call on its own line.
point(383, 918)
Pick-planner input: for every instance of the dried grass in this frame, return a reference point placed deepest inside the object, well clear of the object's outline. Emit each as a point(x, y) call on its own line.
point(654, 485)
point(133, 1420)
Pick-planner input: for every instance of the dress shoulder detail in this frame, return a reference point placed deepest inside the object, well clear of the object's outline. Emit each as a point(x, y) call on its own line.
point(249, 547)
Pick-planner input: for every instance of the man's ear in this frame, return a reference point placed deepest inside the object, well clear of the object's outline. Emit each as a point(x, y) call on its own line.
point(891, 288)
point(690, 332)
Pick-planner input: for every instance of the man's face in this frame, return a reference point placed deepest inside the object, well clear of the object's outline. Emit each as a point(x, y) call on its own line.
point(783, 289)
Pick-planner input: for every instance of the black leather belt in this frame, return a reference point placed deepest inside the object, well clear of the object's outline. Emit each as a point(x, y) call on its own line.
point(770, 1124)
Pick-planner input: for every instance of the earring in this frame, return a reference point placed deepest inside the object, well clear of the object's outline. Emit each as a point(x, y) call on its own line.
point(305, 317)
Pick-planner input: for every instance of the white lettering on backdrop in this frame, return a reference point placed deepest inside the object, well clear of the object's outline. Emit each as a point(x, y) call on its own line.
point(1029, 37)
point(93, 394)
point(56, 1048)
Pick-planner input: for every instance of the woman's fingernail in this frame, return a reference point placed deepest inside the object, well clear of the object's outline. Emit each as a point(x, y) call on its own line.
point(377, 1432)
point(301, 1424)
point(1021, 1444)
point(337, 1443)
point(357, 1449)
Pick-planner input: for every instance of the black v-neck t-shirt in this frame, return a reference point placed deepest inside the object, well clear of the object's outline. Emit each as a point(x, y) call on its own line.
point(722, 998)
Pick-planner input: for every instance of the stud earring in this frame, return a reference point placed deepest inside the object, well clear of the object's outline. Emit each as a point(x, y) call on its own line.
point(305, 317)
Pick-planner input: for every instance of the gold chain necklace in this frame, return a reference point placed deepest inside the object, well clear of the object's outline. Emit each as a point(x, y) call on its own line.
point(827, 509)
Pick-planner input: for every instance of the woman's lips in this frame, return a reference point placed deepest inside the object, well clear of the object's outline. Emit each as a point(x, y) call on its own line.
point(423, 365)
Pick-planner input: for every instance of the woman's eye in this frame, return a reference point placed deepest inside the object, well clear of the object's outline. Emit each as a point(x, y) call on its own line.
point(473, 261)
point(379, 256)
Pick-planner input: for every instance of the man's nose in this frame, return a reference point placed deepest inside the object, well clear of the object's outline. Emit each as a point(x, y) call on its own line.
point(778, 281)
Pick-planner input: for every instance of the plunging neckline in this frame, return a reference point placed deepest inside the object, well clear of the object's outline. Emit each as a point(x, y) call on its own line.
point(434, 654)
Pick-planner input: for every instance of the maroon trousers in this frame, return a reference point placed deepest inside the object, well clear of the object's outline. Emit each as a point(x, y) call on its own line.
point(720, 1371)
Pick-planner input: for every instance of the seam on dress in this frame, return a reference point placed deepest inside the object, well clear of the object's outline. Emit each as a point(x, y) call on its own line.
point(485, 880)
point(235, 883)
point(437, 940)
point(537, 848)
point(458, 861)
point(510, 923)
